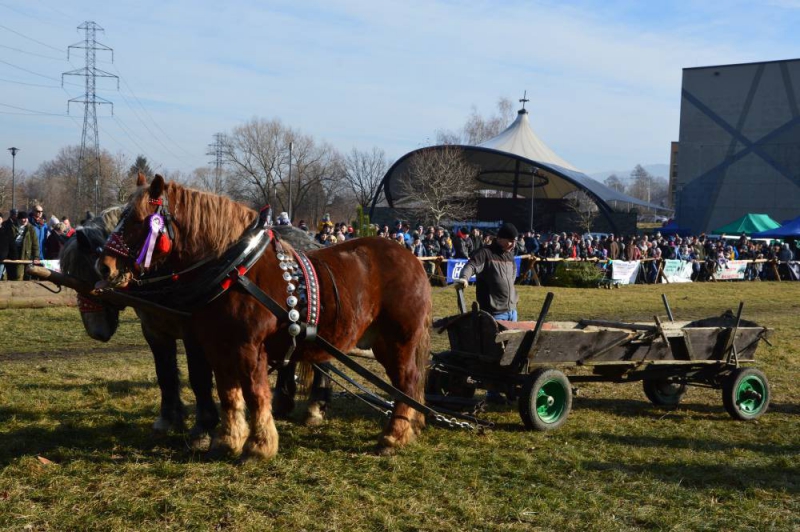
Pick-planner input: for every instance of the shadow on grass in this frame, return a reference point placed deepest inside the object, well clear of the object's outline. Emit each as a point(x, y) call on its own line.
point(700, 476)
point(695, 444)
point(633, 408)
point(116, 387)
point(76, 435)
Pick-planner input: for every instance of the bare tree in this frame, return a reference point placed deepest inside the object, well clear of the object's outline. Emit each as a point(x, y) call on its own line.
point(253, 152)
point(584, 208)
point(205, 178)
point(5, 189)
point(362, 172)
point(615, 183)
point(645, 186)
point(479, 128)
point(121, 181)
point(439, 185)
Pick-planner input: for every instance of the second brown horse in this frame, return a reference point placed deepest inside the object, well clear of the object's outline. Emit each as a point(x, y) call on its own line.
point(373, 293)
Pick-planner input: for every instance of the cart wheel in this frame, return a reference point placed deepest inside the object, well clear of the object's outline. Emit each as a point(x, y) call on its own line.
point(545, 400)
point(745, 394)
point(663, 392)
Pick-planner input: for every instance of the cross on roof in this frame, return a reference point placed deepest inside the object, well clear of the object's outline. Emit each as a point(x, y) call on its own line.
point(524, 100)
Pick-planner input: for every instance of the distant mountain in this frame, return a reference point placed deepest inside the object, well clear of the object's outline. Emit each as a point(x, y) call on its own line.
point(658, 170)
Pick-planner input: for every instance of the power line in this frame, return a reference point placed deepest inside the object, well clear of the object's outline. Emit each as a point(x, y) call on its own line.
point(124, 81)
point(129, 133)
point(32, 53)
point(30, 84)
point(155, 137)
point(32, 111)
point(30, 38)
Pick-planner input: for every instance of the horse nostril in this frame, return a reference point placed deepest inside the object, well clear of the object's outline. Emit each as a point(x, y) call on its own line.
point(103, 270)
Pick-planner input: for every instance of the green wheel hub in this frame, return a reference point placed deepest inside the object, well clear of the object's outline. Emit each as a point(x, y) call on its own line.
point(551, 401)
point(751, 394)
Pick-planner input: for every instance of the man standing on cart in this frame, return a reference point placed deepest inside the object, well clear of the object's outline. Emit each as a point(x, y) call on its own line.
point(496, 272)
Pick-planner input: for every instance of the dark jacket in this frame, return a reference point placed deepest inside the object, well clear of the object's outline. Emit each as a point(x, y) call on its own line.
point(462, 247)
point(496, 272)
point(8, 248)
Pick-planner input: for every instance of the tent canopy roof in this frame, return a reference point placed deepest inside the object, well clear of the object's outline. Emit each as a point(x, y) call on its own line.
point(748, 224)
point(790, 229)
point(517, 161)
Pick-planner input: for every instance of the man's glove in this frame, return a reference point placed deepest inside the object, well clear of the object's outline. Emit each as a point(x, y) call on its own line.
point(459, 283)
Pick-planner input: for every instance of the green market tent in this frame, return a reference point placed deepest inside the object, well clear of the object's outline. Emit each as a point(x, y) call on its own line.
point(748, 224)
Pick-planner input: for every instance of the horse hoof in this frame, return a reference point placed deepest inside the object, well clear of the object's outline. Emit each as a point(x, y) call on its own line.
point(314, 420)
point(217, 454)
point(161, 427)
point(383, 450)
point(199, 442)
point(253, 452)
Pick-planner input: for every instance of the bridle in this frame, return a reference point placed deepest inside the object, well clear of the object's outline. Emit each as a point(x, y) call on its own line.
point(160, 226)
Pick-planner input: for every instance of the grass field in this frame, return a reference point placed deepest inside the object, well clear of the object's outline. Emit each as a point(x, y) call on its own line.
point(619, 463)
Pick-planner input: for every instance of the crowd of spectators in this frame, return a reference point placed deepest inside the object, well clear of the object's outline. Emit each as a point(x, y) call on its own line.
point(458, 243)
point(30, 236)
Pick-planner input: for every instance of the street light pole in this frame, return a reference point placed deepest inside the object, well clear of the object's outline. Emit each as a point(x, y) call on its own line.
point(291, 145)
point(13, 176)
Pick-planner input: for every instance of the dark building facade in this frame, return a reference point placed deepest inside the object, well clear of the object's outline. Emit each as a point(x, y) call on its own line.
point(739, 144)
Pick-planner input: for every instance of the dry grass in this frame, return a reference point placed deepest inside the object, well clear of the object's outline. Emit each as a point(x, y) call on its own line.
point(618, 463)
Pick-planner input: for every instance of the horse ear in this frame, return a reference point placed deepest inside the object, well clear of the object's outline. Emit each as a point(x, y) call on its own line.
point(141, 180)
point(157, 186)
point(83, 241)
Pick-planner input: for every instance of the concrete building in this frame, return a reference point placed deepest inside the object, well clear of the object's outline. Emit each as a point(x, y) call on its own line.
point(739, 144)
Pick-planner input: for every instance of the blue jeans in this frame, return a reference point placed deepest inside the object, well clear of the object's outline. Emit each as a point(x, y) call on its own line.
point(509, 315)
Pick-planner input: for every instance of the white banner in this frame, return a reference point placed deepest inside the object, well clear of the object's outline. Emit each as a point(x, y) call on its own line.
point(731, 271)
point(52, 265)
point(677, 271)
point(625, 272)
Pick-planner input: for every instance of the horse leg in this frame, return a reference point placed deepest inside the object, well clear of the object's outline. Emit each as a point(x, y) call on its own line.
point(285, 390)
point(165, 355)
point(201, 379)
point(233, 430)
point(319, 398)
point(403, 362)
point(263, 440)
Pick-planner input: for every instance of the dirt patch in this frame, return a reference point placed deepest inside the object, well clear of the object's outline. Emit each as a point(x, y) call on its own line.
point(32, 356)
point(34, 294)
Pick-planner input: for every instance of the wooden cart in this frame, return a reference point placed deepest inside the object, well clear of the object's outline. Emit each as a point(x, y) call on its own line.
point(527, 360)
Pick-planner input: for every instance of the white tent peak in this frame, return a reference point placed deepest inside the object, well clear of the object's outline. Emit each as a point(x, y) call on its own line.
point(520, 139)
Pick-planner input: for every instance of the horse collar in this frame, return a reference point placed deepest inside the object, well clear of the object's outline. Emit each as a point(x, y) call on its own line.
point(303, 289)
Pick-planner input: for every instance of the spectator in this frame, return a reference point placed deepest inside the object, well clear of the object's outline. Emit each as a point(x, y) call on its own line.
point(476, 239)
point(68, 229)
point(37, 223)
point(55, 241)
point(462, 245)
point(11, 243)
point(283, 219)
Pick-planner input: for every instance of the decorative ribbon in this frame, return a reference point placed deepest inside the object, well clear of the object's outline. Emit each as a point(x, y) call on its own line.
point(156, 227)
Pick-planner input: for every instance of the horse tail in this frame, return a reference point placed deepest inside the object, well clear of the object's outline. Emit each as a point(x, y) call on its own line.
point(423, 352)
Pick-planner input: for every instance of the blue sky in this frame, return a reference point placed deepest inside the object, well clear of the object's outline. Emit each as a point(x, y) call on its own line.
point(603, 77)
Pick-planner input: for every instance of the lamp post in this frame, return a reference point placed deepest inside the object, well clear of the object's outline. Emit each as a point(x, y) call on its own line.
point(13, 176)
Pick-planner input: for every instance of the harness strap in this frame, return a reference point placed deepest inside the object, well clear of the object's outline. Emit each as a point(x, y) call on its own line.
point(280, 313)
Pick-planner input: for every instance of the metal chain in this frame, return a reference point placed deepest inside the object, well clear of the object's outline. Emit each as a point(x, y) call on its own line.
point(441, 419)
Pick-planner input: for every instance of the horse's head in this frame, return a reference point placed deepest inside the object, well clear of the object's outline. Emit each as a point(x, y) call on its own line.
point(142, 239)
point(77, 260)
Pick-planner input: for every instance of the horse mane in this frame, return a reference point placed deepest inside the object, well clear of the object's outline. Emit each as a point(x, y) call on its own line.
point(77, 262)
point(207, 223)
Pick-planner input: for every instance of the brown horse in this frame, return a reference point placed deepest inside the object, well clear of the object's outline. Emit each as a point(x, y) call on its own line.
point(373, 293)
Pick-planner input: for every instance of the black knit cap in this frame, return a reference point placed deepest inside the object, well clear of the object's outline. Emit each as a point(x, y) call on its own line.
point(507, 231)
